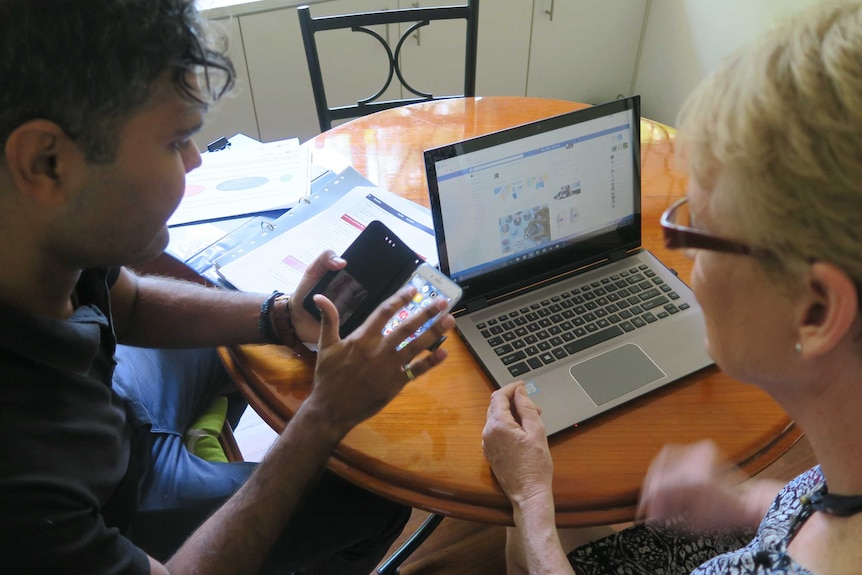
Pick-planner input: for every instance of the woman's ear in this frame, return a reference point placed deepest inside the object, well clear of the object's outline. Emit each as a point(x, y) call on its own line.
point(37, 160)
point(829, 309)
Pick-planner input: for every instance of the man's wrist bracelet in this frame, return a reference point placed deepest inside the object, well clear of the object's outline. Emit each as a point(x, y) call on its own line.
point(276, 324)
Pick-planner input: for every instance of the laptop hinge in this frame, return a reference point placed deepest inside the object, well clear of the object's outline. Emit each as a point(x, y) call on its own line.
point(617, 255)
point(475, 304)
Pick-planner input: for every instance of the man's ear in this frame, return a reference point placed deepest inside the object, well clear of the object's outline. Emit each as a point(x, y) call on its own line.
point(37, 157)
point(829, 310)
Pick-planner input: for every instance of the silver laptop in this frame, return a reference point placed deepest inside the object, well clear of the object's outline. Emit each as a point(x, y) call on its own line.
point(541, 226)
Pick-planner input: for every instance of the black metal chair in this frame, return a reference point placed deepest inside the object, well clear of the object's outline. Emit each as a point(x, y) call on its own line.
point(359, 23)
point(392, 566)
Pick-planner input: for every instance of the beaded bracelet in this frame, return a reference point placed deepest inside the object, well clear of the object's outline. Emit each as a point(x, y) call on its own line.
point(275, 321)
point(281, 317)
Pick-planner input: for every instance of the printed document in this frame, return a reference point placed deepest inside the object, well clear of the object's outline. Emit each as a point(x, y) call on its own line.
point(244, 180)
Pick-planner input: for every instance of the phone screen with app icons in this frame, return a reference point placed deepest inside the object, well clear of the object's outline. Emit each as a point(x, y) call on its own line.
point(427, 292)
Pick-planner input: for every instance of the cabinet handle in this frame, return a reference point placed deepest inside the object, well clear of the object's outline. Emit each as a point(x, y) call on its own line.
point(388, 43)
point(550, 12)
point(418, 33)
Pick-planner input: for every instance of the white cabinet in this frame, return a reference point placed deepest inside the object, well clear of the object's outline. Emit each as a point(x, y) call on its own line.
point(433, 59)
point(354, 64)
point(277, 67)
point(278, 74)
point(584, 50)
point(504, 47)
point(433, 62)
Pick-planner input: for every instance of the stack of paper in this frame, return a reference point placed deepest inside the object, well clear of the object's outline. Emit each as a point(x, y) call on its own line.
point(245, 179)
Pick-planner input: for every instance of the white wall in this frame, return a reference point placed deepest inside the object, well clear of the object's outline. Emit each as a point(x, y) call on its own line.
point(685, 40)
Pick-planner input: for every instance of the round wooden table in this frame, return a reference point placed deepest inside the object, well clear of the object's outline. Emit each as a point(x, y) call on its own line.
point(425, 449)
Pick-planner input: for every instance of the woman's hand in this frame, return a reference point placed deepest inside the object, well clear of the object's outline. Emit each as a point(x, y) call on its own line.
point(515, 444)
point(694, 487)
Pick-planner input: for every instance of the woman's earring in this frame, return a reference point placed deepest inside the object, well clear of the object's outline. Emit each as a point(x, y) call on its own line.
point(798, 347)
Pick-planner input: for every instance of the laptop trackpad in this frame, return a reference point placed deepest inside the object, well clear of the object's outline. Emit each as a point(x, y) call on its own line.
point(617, 372)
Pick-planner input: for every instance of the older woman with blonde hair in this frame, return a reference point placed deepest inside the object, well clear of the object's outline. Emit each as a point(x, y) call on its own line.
point(773, 221)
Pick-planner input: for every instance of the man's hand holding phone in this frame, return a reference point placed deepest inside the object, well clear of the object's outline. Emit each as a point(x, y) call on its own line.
point(306, 325)
point(359, 374)
point(377, 264)
point(431, 286)
point(368, 339)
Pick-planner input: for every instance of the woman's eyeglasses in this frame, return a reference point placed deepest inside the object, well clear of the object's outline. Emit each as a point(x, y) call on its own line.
point(679, 234)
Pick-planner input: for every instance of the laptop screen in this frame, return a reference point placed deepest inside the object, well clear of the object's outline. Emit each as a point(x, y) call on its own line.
point(534, 200)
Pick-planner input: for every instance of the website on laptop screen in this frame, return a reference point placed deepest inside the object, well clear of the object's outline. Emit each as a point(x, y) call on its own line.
point(519, 199)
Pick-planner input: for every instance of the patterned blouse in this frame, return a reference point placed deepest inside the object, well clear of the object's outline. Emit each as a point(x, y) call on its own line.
point(648, 549)
point(767, 552)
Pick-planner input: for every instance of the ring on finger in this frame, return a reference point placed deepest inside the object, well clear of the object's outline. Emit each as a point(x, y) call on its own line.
point(408, 370)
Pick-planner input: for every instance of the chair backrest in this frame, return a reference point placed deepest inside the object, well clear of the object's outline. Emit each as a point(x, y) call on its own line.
point(359, 23)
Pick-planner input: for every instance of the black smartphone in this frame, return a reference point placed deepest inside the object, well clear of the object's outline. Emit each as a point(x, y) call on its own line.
point(378, 263)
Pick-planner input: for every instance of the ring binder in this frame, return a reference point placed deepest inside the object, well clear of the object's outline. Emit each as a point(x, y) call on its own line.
point(341, 205)
point(325, 190)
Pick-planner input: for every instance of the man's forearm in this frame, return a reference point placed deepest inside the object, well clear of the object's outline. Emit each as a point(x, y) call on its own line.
point(238, 537)
point(171, 313)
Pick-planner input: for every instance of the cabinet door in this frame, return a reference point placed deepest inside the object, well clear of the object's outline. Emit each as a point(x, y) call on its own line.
point(354, 64)
point(279, 74)
point(504, 47)
point(234, 113)
point(584, 50)
point(432, 59)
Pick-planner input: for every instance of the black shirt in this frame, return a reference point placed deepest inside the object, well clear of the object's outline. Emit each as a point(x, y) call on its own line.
point(68, 479)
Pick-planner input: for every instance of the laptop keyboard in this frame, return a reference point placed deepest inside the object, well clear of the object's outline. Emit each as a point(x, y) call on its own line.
point(533, 336)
